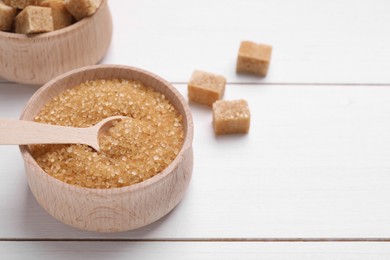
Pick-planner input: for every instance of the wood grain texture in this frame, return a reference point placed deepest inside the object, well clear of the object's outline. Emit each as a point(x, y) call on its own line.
point(37, 59)
point(194, 251)
point(119, 209)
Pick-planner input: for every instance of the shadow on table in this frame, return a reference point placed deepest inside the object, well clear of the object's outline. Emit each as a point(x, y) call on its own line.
point(199, 108)
point(13, 98)
point(10, 90)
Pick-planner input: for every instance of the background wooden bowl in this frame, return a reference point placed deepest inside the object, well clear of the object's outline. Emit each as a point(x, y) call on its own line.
point(37, 59)
point(118, 209)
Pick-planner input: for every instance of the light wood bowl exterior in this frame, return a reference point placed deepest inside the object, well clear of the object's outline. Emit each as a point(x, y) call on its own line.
point(36, 59)
point(118, 209)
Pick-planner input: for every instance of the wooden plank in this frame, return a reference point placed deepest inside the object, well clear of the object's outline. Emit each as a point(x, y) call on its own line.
point(322, 42)
point(314, 165)
point(192, 250)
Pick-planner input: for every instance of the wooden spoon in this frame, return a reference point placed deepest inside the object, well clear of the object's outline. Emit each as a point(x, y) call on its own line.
point(27, 132)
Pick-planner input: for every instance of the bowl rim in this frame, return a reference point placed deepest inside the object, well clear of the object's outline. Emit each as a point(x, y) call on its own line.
point(66, 30)
point(187, 144)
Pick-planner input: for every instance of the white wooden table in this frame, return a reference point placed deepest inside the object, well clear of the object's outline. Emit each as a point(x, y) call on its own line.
point(310, 181)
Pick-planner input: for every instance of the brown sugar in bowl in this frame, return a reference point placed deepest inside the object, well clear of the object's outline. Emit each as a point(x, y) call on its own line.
point(116, 209)
point(36, 59)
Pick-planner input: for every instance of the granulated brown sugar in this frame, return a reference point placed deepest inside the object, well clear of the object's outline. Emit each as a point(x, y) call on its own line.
point(133, 150)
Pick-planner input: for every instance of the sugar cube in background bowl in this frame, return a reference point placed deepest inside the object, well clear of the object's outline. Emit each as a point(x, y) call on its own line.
point(7, 16)
point(35, 16)
point(35, 58)
point(21, 4)
point(82, 8)
point(34, 19)
point(61, 16)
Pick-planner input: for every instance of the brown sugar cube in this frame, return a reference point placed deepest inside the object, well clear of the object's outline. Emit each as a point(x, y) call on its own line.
point(21, 4)
point(34, 19)
point(206, 88)
point(7, 16)
point(61, 16)
point(253, 58)
point(231, 117)
point(82, 8)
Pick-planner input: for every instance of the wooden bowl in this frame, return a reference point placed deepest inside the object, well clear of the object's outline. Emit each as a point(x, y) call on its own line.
point(37, 59)
point(117, 209)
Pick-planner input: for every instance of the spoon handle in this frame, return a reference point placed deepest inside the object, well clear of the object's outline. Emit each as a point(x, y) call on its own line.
point(27, 132)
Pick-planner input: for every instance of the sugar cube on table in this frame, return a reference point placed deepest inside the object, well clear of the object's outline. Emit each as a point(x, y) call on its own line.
point(61, 16)
point(34, 19)
point(206, 88)
point(7, 16)
point(254, 58)
point(21, 4)
point(231, 117)
point(82, 8)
